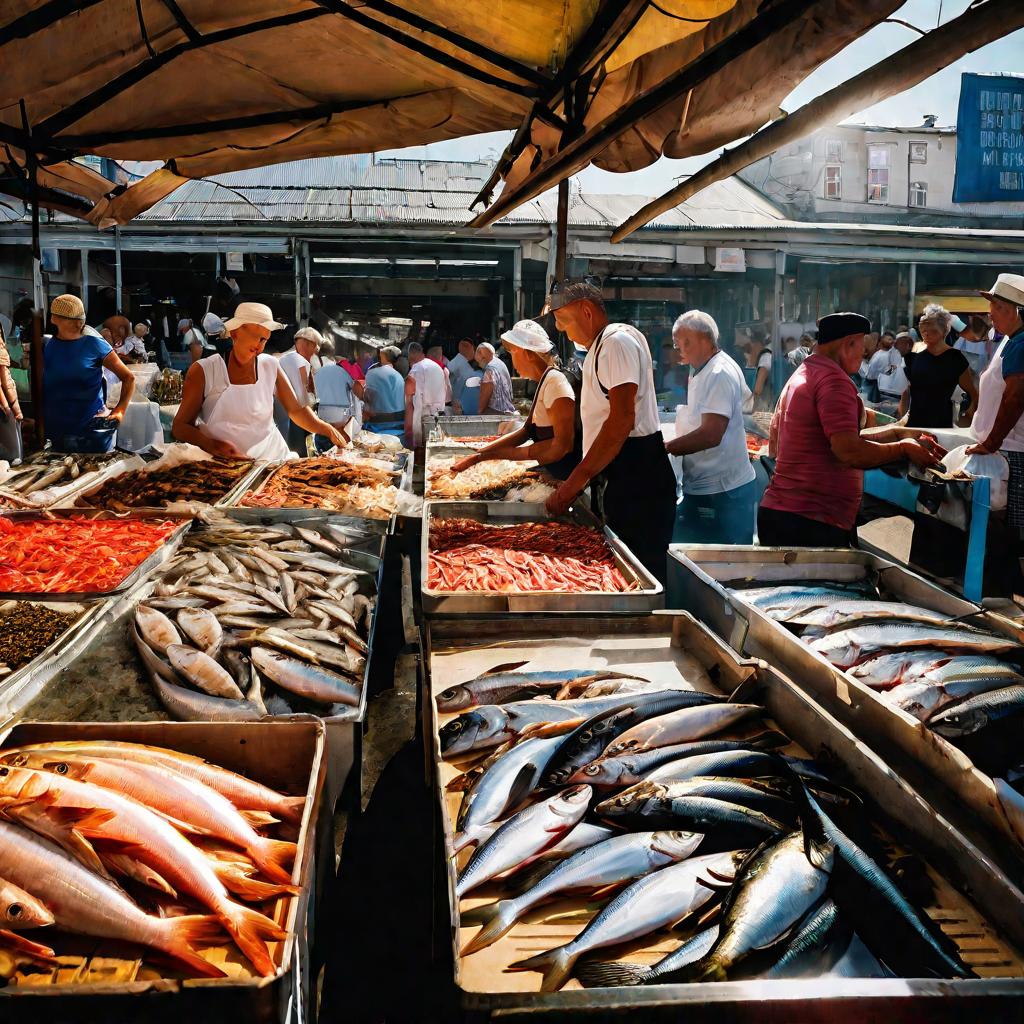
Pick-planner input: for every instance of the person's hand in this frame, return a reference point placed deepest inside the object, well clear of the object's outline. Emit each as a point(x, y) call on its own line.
point(223, 449)
point(457, 408)
point(922, 454)
point(338, 437)
point(979, 449)
point(116, 414)
point(559, 501)
point(466, 463)
point(928, 441)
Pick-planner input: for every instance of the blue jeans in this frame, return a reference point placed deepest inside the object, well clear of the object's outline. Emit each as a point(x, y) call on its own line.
point(724, 518)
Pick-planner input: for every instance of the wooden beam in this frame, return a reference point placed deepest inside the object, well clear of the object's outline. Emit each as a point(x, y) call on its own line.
point(578, 153)
point(42, 17)
point(904, 69)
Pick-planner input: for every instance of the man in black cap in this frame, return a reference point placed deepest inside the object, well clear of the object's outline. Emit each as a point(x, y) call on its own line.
point(622, 437)
point(815, 494)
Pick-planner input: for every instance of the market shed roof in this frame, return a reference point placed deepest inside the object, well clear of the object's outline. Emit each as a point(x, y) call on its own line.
point(209, 87)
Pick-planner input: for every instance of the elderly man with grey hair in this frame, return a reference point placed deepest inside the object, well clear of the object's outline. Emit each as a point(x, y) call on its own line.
point(719, 495)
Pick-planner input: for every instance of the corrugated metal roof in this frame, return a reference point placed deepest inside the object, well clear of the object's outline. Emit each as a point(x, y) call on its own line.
point(429, 192)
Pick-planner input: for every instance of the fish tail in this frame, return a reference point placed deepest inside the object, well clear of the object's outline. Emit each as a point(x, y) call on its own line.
point(556, 965)
point(252, 930)
point(291, 808)
point(237, 880)
point(609, 973)
point(496, 918)
point(185, 933)
point(275, 858)
point(463, 839)
point(711, 969)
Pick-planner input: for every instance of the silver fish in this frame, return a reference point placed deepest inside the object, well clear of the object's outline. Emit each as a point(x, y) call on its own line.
point(202, 628)
point(922, 698)
point(777, 602)
point(606, 974)
point(883, 671)
point(682, 726)
point(846, 612)
point(523, 836)
point(203, 672)
point(158, 630)
point(851, 646)
point(305, 680)
point(976, 712)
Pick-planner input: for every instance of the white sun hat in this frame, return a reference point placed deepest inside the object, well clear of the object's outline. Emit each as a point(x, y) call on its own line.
point(528, 334)
point(1009, 288)
point(253, 313)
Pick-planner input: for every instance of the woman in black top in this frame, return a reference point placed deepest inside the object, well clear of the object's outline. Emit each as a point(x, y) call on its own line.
point(933, 375)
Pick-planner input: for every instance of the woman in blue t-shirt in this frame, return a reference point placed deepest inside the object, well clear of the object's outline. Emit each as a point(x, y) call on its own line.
point(73, 386)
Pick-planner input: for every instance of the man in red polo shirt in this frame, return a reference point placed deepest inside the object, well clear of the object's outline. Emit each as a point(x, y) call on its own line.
point(815, 494)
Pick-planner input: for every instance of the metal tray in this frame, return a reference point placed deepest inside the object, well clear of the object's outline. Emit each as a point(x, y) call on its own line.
point(698, 579)
point(649, 596)
point(468, 426)
point(158, 557)
point(72, 490)
point(984, 923)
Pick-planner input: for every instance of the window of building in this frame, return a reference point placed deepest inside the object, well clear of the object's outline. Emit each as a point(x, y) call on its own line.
point(919, 152)
point(878, 174)
point(834, 151)
point(833, 182)
point(918, 193)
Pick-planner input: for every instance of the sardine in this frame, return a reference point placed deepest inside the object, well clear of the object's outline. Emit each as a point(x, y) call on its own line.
point(884, 671)
point(617, 860)
point(723, 763)
point(652, 902)
point(923, 698)
point(203, 672)
point(816, 946)
point(845, 612)
point(850, 646)
point(682, 726)
point(607, 974)
point(974, 713)
point(524, 835)
point(310, 681)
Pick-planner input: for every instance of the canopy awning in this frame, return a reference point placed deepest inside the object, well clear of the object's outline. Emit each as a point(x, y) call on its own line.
point(208, 87)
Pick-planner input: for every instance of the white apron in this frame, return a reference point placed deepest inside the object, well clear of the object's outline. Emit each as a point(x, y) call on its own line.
point(243, 414)
point(991, 386)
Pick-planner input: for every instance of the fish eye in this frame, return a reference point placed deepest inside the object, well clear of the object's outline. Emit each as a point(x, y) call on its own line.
point(15, 910)
point(4, 772)
point(61, 768)
point(591, 769)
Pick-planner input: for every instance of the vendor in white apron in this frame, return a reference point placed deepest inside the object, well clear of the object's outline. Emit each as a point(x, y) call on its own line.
point(227, 405)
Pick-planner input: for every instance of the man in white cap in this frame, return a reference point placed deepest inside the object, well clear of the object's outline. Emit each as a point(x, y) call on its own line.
point(227, 405)
point(298, 368)
point(622, 437)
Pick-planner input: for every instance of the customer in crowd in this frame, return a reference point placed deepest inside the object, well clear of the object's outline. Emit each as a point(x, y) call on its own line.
point(436, 353)
point(10, 410)
point(339, 402)
point(402, 363)
point(353, 369)
point(297, 367)
point(74, 391)
point(132, 348)
point(893, 383)
point(622, 439)
point(460, 368)
point(426, 392)
point(977, 343)
point(763, 394)
point(193, 340)
point(496, 384)
point(719, 494)
point(550, 426)
point(934, 374)
point(797, 349)
point(120, 328)
point(815, 437)
point(881, 365)
point(384, 395)
point(213, 328)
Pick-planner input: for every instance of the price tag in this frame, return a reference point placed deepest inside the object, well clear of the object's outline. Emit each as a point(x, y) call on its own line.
point(843, 691)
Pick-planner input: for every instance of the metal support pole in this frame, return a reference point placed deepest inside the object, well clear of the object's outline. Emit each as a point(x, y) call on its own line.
point(517, 281)
point(83, 255)
point(911, 294)
point(117, 267)
point(307, 295)
point(298, 282)
point(38, 292)
point(561, 228)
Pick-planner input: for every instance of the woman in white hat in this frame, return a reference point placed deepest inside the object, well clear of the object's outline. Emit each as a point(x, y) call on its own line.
point(227, 406)
point(74, 389)
point(551, 423)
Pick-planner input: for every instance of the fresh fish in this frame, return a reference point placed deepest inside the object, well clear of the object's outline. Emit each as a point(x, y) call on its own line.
point(25, 794)
point(845, 612)
point(156, 629)
point(503, 685)
point(178, 798)
point(242, 792)
point(202, 628)
point(610, 973)
point(773, 892)
point(617, 860)
point(742, 763)
point(790, 598)
point(923, 698)
point(310, 681)
point(583, 836)
point(652, 902)
point(203, 672)
point(502, 787)
point(850, 646)
point(816, 947)
point(859, 962)
point(973, 714)
point(606, 687)
point(884, 671)
point(682, 726)
point(318, 541)
point(20, 909)
point(315, 652)
point(86, 904)
point(523, 836)
point(288, 592)
point(634, 766)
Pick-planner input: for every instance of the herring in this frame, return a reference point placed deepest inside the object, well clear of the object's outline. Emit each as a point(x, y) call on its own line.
point(310, 681)
point(203, 672)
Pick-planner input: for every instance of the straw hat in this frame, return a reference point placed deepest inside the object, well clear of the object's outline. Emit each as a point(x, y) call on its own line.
point(68, 306)
point(1008, 287)
point(529, 335)
point(253, 313)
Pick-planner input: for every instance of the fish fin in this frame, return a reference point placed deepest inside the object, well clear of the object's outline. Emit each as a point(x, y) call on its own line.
point(252, 930)
point(709, 916)
point(497, 919)
point(188, 932)
point(768, 740)
point(292, 808)
point(125, 864)
point(720, 886)
point(611, 973)
point(26, 947)
point(261, 819)
point(511, 666)
point(522, 785)
point(556, 966)
point(463, 782)
point(84, 819)
point(238, 881)
point(545, 729)
point(275, 858)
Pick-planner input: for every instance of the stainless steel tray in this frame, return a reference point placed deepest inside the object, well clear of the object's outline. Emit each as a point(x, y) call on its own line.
point(699, 576)
point(978, 905)
point(71, 491)
point(649, 596)
point(468, 426)
point(157, 558)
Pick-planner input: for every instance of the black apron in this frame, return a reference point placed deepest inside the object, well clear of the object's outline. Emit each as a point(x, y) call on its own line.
point(637, 497)
point(561, 468)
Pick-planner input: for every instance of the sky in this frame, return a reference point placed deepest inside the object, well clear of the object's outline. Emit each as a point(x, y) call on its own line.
point(937, 95)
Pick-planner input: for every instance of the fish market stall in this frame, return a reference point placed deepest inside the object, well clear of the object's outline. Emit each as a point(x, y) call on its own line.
point(48, 477)
point(895, 661)
point(191, 880)
point(250, 619)
point(494, 557)
point(494, 480)
point(474, 431)
point(620, 809)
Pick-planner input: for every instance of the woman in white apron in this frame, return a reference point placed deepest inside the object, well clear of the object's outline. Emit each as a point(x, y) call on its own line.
point(227, 404)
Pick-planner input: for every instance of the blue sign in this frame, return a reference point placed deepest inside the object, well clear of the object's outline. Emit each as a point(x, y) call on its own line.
point(990, 139)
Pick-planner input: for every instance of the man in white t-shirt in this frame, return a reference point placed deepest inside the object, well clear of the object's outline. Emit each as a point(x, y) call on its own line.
point(622, 437)
point(426, 391)
point(299, 371)
point(719, 495)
